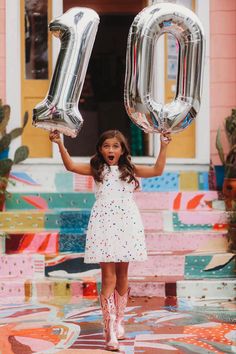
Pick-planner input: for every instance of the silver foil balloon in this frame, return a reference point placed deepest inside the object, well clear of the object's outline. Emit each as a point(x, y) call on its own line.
point(147, 27)
point(76, 30)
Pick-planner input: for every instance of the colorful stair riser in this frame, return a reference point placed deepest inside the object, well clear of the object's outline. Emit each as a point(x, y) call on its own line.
point(205, 200)
point(47, 290)
point(54, 243)
point(77, 220)
point(158, 265)
point(54, 178)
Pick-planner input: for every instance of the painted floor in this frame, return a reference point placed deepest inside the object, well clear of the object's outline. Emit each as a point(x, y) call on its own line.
point(154, 325)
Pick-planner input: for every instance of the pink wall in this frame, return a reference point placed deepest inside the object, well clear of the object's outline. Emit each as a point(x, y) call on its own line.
point(222, 66)
point(2, 52)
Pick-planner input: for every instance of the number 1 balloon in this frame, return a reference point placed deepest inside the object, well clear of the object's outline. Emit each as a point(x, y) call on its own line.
point(145, 30)
point(76, 29)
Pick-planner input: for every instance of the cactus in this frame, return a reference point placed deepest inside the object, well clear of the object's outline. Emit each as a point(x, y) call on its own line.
point(228, 159)
point(5, 140)
point(4, 117)
point(5, 167)
point(21, 154)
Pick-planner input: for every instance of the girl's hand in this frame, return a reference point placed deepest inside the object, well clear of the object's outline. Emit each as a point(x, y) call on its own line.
point(165, 139)
point(55, 137)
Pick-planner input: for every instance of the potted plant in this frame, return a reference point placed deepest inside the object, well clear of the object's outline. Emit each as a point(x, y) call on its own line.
point(228, 159)
point(6, 138)
point(231, 233)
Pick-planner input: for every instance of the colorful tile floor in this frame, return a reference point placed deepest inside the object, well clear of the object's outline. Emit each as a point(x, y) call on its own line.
point(154, 325)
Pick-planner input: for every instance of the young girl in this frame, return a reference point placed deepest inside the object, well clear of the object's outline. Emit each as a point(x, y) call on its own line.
point(115, 233)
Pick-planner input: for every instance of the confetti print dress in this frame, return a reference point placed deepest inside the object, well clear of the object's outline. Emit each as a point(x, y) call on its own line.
point(115, 230)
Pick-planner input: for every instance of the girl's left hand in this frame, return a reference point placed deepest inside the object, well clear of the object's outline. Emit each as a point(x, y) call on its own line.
point(165, 138)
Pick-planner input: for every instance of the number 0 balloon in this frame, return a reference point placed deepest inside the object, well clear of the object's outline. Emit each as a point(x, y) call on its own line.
point(145, 30)
point(76, 29)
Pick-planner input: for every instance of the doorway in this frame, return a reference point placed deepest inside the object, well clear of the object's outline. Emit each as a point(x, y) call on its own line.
point(102, 99)
point(101, 102)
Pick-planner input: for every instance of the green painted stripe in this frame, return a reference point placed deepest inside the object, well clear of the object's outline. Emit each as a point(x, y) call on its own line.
point(52, 200)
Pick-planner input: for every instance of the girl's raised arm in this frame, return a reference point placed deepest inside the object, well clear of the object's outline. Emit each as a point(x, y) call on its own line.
point(158, 168)
point(70, 165)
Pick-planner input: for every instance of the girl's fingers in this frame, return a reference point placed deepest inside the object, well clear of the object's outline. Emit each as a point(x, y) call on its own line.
point(166, 138)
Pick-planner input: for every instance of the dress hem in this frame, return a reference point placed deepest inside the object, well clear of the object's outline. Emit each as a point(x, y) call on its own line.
point(115, 261)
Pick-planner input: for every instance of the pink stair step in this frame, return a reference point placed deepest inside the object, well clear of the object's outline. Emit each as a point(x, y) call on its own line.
point(186, 241)
point(22, 266)
point(197, 200)
point(168, 264)
point(158, 220)
point(151, 286)
point(146, 286)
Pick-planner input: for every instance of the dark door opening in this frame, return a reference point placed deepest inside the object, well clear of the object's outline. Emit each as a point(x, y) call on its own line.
point(101, 102)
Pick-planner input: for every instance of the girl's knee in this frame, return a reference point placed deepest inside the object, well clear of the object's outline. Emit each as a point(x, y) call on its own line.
point(109, 278)
point(109, 281)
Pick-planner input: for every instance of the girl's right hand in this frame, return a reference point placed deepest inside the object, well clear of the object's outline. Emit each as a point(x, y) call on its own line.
point(55, 137)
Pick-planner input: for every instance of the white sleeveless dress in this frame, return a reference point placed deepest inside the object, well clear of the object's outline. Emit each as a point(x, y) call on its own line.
point(115, 230)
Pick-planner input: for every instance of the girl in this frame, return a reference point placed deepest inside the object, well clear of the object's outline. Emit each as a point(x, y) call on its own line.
point(115, 233)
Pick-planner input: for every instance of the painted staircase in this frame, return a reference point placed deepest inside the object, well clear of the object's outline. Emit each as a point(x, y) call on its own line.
point(47, 216)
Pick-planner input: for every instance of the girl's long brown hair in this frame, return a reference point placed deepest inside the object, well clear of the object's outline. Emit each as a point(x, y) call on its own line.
point(125, 166)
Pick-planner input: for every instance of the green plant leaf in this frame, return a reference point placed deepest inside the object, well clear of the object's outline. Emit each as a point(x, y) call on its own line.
point(5, 116)
point(25, 119)
point(16, 132)
point(5, 142)
point(4, 234)
point(21, 154)
point(5, 167)
point(219, 147)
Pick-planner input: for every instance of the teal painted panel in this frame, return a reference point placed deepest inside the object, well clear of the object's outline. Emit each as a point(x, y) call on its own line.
point(180, 226)
point(73, 243)
point(195, 265)
point(30, 201)
point(68, 221)
point(52, 221)
point(64, 182)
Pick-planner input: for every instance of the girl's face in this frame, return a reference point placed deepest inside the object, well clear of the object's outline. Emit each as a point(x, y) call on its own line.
point(111, 151)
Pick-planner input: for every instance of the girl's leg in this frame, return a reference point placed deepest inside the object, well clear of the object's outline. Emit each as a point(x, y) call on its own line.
point(122, 277)
point(121, 297)
point(108, 278)
point(107, 300)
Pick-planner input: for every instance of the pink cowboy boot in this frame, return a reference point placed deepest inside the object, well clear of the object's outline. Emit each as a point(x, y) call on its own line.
point(109, 318)
point(121, 302)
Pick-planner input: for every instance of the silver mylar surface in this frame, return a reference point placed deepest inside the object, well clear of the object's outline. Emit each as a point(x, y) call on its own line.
point(147, 27)
point(76, 30)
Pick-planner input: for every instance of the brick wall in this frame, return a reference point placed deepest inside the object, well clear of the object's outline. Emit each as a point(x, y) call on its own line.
point(222, 66)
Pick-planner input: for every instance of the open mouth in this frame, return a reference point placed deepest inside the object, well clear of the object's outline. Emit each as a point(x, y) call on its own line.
point(111, 158)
